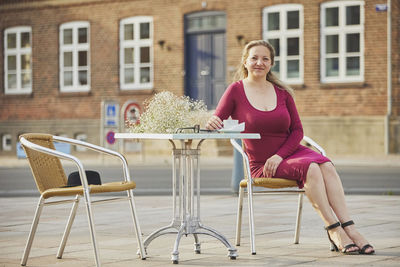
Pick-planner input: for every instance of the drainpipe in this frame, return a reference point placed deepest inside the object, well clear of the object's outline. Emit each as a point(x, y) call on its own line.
point(389, 77)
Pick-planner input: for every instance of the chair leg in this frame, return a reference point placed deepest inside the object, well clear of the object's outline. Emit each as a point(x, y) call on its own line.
point(32, 232)
point(251, 218)
point(68, 227)
point(239, 216)
point(91, 227)
point(298, 220)
point(136, 226)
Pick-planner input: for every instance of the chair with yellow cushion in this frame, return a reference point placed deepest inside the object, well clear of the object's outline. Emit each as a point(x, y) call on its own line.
point(51, 180)
point(268, 186)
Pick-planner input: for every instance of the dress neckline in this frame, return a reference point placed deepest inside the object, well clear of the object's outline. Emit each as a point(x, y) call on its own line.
point(253, 107)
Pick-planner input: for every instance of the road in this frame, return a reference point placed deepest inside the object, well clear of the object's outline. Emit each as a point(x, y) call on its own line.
point(18, 181)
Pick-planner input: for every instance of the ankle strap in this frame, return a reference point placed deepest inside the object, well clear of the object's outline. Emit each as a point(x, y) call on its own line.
point(347, 223)
point(332, 226)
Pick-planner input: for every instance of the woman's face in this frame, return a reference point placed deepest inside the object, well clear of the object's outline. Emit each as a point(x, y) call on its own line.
point(259, 62)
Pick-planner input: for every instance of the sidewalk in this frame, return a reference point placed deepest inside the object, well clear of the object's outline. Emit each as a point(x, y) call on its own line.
point(377, 217)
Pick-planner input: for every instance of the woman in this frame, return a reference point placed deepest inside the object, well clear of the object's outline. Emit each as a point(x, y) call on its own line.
point(267, 107)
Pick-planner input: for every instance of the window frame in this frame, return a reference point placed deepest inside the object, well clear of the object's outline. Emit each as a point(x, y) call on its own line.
point(4, 145)
point(136, 43)
point(18, 52)
point(283, 34)
point(341, 30)
point(81, 137)
point(74, 48)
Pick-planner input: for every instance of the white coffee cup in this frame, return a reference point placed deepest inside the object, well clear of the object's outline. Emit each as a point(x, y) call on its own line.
point(230, 123)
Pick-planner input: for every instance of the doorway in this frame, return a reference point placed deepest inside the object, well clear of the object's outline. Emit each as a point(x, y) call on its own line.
point(205, 57)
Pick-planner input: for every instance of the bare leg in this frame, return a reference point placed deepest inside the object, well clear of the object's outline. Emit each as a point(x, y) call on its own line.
point(316, 192)
point(335, 193)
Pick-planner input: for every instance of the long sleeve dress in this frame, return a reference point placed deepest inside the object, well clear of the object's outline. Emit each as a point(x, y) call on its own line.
point(280, 129)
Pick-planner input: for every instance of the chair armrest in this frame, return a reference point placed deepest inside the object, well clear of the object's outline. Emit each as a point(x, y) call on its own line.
point(97, 149)
point(314, 144)
point(239, 148)
point(61, 155)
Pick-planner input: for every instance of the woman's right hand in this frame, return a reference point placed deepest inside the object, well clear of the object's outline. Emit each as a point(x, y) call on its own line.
point(214, 123)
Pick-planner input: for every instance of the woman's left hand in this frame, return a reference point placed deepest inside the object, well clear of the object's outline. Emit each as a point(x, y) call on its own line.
point(214, 123)
point(271, 165)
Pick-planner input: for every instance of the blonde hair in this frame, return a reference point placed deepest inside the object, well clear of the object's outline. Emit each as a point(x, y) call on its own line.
point(242, 72)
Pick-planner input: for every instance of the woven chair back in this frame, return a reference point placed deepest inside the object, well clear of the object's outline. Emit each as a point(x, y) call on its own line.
point(46, 169)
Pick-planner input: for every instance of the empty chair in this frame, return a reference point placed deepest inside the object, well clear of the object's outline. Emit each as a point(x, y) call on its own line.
point(271, 185)
point(51, 180)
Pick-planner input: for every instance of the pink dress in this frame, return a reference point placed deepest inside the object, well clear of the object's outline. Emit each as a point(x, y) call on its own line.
point(280, 129)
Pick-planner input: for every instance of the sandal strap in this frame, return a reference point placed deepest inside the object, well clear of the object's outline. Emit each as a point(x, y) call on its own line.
point(364, 248)
point(332, 226)
point(347, 247)
point(345, 224)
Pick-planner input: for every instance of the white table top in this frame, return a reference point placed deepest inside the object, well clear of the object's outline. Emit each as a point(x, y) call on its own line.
point(187, 136)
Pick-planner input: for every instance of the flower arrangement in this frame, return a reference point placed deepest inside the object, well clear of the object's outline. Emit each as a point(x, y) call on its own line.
point(165, 112)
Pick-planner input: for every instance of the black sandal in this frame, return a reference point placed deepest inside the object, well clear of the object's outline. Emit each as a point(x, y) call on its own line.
point(365, 247)
point(344, 250)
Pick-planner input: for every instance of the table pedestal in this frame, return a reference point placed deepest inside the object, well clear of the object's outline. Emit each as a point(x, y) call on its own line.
point(186, 202)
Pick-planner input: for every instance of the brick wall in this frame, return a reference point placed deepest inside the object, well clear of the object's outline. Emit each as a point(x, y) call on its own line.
point(243, 18)
point(396, 59)
point(313, 98)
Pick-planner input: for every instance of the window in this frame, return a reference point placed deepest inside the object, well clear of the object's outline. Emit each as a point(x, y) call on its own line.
point(81, 137)
point(342, 41)
point(6, 142)
point(18, 60)
point(136, 53)
point(205, 21)
point(74, 57)
point(283, 29)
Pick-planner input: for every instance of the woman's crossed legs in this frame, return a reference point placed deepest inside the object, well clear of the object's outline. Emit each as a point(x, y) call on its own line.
point(324, 189)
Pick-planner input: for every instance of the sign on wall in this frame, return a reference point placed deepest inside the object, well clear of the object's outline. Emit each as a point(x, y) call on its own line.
point(110, 137)
point(132, 112)
point(130, 115)
point(381, 7)
point(111, 114)
point(110, 123)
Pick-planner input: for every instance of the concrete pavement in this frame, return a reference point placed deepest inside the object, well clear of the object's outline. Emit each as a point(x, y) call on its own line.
point(377, 217)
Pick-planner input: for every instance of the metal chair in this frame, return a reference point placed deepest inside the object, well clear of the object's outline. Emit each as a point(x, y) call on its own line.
point(272, 185)
point(51, 180)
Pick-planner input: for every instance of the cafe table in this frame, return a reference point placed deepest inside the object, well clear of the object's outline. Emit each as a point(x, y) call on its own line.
point(186, 186)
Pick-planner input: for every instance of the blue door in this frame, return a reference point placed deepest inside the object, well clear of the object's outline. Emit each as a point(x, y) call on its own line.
point(205, 56)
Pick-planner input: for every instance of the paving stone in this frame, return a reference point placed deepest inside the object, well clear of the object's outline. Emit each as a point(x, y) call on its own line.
point(377, 217)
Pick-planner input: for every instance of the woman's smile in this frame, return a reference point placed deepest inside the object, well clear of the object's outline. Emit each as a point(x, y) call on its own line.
point(258, 61)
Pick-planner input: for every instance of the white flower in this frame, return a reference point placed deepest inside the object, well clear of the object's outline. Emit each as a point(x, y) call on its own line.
point(165, 112)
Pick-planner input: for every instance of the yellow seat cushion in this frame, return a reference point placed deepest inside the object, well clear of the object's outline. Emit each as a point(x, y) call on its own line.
point(107, 187)
point(270, 182)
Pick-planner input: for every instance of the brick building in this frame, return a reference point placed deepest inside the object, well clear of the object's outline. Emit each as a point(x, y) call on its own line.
point(64, 63)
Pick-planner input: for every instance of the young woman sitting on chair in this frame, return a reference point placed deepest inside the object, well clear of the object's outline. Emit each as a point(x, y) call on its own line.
point(267, 107)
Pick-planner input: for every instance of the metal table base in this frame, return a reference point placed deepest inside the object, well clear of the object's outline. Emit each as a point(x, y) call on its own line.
point(186, 202)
